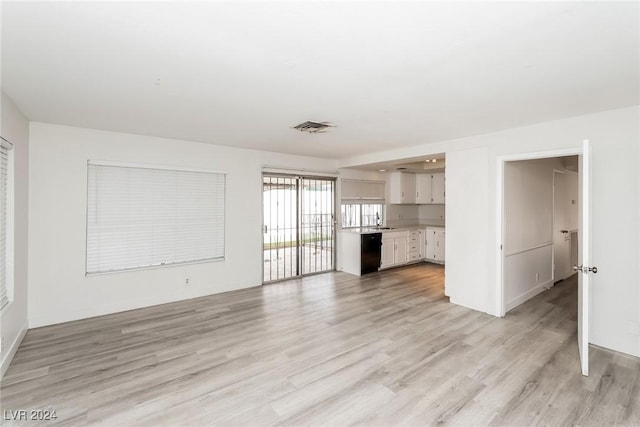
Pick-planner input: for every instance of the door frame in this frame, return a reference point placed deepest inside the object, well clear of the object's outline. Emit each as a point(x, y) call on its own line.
point(500, 307)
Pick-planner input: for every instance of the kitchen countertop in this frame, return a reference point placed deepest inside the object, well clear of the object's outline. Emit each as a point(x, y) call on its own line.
point(369, 230)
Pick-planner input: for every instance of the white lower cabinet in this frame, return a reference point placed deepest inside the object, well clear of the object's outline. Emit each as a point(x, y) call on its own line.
point(413, 245)
point(401, 251)
point(394, 249)
point(388, 254)
point(434, 244)
point(402, 247)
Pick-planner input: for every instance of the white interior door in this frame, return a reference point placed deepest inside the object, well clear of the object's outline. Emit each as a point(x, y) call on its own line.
point(584, 256)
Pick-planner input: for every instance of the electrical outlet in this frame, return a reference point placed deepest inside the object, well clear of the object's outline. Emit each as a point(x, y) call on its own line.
point(186, 281)
point(1, 344)
point(537, 277)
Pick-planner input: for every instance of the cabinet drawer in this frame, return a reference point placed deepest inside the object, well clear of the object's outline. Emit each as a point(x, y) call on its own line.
point(412, 256)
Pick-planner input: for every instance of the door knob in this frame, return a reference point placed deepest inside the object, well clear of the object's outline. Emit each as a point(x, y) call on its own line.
point(564, 231)
point(585, 270)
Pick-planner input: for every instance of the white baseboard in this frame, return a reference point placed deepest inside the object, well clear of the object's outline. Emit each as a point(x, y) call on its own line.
point(12, 350)
point(516, 301)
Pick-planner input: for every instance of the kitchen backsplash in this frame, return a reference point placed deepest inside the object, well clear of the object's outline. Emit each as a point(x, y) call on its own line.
point(402, 215)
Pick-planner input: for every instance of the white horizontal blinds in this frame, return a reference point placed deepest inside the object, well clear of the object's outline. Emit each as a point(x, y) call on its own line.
point(351, 189)
point(4, 165)
point(141, 217)
point(359, 191)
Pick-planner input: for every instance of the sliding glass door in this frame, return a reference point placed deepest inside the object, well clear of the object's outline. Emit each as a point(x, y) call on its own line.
point(317, 224)
point(298, 226)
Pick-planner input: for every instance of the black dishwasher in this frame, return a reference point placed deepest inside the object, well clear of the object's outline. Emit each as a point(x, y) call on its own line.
point(370, 248)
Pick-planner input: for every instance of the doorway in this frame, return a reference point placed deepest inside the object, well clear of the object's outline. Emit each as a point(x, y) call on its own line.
point(298, 226)
point(525, 229)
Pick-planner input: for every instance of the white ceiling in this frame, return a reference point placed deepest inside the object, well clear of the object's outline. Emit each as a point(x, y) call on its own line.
point(386, 74)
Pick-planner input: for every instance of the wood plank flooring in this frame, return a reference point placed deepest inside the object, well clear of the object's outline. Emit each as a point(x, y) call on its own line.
point(333, 349)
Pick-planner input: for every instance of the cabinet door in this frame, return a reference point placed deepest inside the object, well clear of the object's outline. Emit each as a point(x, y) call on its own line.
point(437, 188)
point(401, 251)
point(388, 252)
point(430, 244)
point(408, 188)
point(402, 188)
point(440, 245)
point(395, 187)
point(423, 188)
point(422, 246)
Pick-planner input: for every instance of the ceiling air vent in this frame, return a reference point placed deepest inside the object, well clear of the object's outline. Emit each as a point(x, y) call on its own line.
point(313, 127)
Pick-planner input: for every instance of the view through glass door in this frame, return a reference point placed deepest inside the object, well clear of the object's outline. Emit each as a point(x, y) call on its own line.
point(298, 226)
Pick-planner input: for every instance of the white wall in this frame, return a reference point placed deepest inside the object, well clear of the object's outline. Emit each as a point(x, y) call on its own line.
point(15, 129)
point(467, 222)
point(565, 217)
point(615, 139)
point(528, 228)
point(571, 209)
point(528, 201)
point(58, 288)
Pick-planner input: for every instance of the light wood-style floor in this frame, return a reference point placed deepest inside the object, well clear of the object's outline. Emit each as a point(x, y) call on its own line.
point(385, 349)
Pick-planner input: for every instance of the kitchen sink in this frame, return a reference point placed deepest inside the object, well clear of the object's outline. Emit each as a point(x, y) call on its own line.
point(385, 228)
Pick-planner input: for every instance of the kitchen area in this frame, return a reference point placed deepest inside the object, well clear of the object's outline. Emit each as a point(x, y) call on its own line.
point(395, 216)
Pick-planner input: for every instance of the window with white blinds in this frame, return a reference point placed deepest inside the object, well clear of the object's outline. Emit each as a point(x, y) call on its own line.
point(4, 217)
point(140, 217)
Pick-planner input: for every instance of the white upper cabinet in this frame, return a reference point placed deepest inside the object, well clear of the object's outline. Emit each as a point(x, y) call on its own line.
point(437, 188)
point(421, 188)
point(402, 188)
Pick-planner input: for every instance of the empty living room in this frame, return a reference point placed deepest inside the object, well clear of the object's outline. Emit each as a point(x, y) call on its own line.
point(320, 213)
